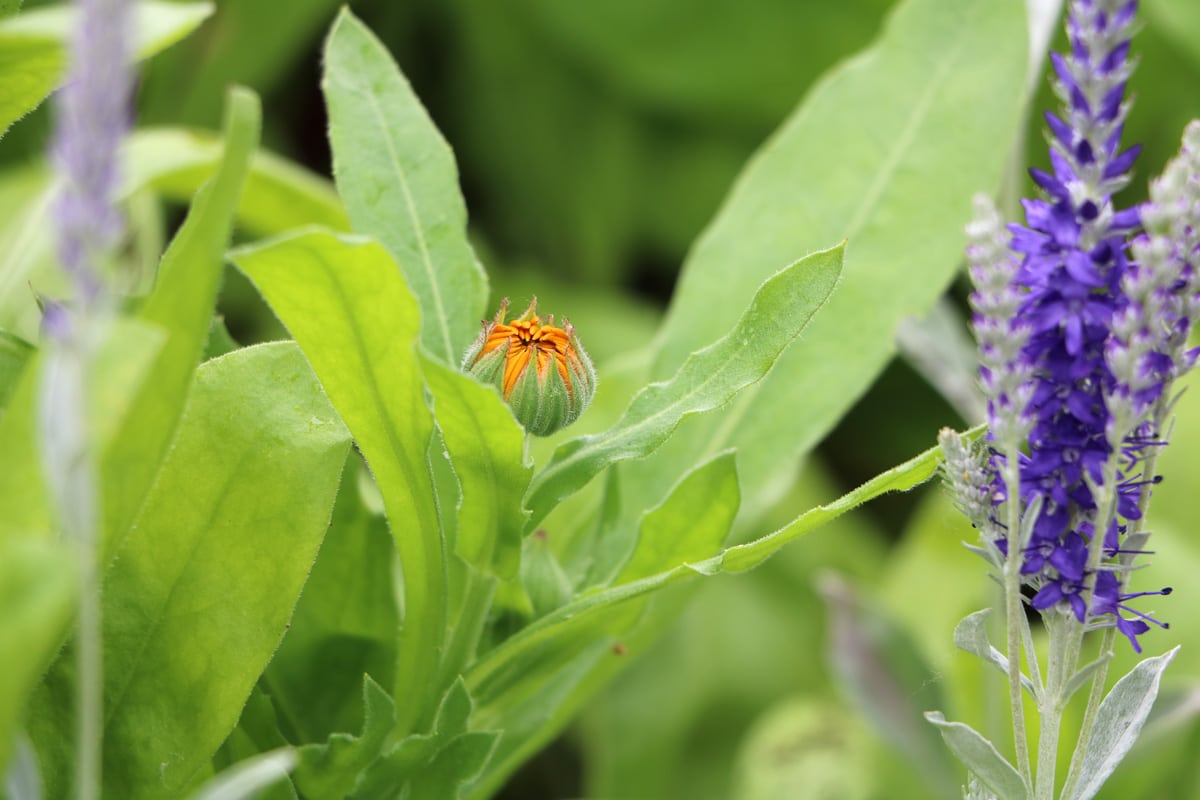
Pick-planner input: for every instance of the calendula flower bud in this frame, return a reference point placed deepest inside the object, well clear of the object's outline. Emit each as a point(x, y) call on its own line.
point(542, 371)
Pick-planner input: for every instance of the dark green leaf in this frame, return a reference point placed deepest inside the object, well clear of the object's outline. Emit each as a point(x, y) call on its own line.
point(331, 770)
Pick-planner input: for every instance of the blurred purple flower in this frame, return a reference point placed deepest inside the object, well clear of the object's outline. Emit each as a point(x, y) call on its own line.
point(93, 117)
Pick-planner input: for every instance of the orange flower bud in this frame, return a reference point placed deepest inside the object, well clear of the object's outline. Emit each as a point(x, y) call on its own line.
point(542, 371)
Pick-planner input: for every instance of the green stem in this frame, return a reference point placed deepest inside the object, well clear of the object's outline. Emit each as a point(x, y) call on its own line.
point(90, 661)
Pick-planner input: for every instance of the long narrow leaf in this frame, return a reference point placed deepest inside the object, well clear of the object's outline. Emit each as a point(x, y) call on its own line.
point(346, 304)
point(781, 308)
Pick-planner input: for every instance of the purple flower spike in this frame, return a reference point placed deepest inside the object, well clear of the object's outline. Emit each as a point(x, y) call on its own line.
point(93, 116)
point(1079, 342)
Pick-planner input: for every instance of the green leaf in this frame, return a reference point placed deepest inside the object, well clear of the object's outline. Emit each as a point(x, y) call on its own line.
point(982, 758)
point(279, 194)
point(182, 303)
point(344, 625)
point(331, 770)
point(1118, 723)
point(486, 448)
point(37, 590)
point(203, 587)
point(691, 524)
point(33, 47)
point(186, 83)
point(257, 732)
point(433, 766)
point(971, 636)
point(124, 358)
point(346, 304)
point(250, 777)
point(9, 7)
point(519, 652)
point(398, 179)
point(780, 309)
point(14, 353)
point(886, 151)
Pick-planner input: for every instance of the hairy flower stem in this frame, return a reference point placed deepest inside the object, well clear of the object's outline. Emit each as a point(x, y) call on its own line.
point(1052, 705)
point(1013, 612)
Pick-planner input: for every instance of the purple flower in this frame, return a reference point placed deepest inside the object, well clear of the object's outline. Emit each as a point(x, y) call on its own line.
point(1079, 341)
point(93, 116)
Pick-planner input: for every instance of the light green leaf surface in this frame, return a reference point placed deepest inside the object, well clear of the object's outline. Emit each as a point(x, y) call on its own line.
point(37, 590)
point(279, 193)
point(981, 758)
point(181, 303)
point(346, 304)
point(330, 771)
point(33, 47)
point(9, 7)
point(14, 353)
point(692, 522)
point(781, 308)
point(204, 585)
point(885, 151)
point(485, 445)
point(124, 358)
point(1118, 723)
point(398, 179)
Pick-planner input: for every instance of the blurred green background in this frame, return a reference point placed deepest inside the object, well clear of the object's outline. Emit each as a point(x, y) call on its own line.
point(594, 142)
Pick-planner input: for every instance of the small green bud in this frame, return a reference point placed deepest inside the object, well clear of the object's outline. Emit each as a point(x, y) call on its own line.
point(542, 371)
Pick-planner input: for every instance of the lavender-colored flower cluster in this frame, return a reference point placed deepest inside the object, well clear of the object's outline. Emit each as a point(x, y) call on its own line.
point(1080, 344)
point(93, 117)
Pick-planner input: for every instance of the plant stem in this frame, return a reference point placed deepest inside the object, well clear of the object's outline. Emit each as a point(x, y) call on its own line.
point(1013, 612)
point(1051, 707)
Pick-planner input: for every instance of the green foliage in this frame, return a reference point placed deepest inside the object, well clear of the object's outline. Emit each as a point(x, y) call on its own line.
point(397, 177)
point(33, 47)
point(419, 619)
